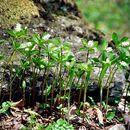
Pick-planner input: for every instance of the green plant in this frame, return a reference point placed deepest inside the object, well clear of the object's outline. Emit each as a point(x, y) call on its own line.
point(5, 107)
point(95, 15)
point(110, 115)
point(108, 59)
point(86, 68)
point(15, 35)
point(33, 124)
point(60, 124)
point(1, 59)
point(42, 55)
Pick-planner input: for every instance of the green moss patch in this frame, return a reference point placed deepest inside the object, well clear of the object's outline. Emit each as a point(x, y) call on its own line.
point(13, 11)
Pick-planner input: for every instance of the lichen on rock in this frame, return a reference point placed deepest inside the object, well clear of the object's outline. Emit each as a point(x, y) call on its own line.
point(13, 11)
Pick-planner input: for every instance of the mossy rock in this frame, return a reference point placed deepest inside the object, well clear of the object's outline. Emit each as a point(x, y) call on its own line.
point(13, 11)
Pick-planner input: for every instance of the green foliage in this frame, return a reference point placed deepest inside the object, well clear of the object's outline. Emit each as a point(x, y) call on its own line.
point(5, 107)
point(25, 10)
point(42, 54)
point(110, 115)
point(113, 16)
point(32, 124)
point(60, 124)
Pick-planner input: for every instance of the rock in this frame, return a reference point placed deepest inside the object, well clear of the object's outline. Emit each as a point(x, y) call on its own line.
point(117, 127)
point(127, 120)
point(121, 106)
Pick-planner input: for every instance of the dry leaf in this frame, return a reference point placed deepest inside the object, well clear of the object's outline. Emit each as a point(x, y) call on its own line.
point(91, 112)
point(82, 128)
point(19, 104)
point(86, 106)
point(72, 110)
point(15, 111)
point(99, 115)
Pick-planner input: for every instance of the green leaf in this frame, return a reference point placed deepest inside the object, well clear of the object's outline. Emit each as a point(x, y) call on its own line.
point(83, 49)
point(35, 38)
point(124, 39)
point(103, 71)
point(25, 64)
point(110, 115)
point(5, 107)
point(19, 34)
point(55, 41)
point(59, 107)
point(1, 57)
point(16, 45)
point(68, 57)
point(24, 84)
point(2, 42)
point(115, 38)
point(95, 59)
point(67, 46)
point(104, 45)
point(44, 105)
point(84, 42)
point(104, 56)
point(60, 124)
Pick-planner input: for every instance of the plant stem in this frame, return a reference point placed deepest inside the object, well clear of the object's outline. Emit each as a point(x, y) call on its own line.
point(60, 73)
point(43, 83)
point(34, 83)
point(87, 56)
point(11, 60)
point(52, 92)
point(10, 95)
point(128, 88)
point(85, 90)
point(71, 76)
point(80, 92)
point(102, 74)
point(110, 78)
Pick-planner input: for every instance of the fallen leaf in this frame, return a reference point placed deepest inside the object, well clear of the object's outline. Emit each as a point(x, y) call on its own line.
point(82, 128)
point(15, 111)
point(19, 104)
point(72, 110)
point(99, 115)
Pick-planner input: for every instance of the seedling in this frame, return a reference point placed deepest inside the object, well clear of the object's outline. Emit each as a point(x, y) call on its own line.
point(60, 125)
point(42, 55)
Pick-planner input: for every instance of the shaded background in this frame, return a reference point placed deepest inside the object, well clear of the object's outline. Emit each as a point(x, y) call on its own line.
point(107, 15)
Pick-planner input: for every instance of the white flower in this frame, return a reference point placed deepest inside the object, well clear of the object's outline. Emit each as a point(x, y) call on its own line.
point(123, 63)
point(129, 48)
point(26, 44)
point(90, 43)
point(41, 66)
point(125, 44)
point(46, 37)
point(107, 60)
point(67, 63)
point(109, 49)
point(18, 27)
point(95, 50)
point(26, 49)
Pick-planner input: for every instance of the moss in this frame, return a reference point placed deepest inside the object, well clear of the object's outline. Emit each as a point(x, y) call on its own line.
point(13, 11)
